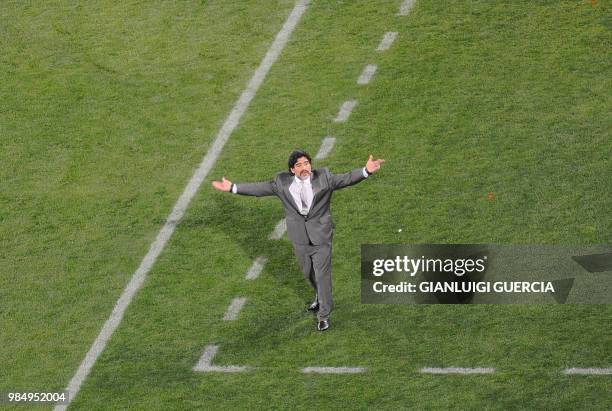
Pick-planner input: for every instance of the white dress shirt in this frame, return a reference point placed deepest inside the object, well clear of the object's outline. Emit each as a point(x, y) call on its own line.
point(294, 189)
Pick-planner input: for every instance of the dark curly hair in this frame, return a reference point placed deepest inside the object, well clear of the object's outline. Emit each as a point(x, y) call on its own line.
point(293, 158)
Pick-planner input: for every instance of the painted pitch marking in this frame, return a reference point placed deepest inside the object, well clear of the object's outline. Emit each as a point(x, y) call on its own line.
point(387, 41)
point(588, 371)
point(333, 370)
point(457, 370)
point(367, 74)
point(406, 7)
point(181, 205)
point(205, 363)
point(234, 308)
point(345, 111)
point(279, 230)
point(256, 268)
point(326, 147)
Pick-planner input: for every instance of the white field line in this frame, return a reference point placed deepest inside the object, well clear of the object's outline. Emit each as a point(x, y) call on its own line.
point(406, 7)
point(387, 40)
point(345, 111)
point(234, 308)
point(205, 363)
point(457, 370)
point(279, 230)
point(367, 74)
point(326, 147)
point(588, 371)
point(256, 268)
point(181, 205)
point(333, 370)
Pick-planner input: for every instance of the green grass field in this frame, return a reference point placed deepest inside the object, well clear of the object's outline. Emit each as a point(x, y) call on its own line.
point(108, 107)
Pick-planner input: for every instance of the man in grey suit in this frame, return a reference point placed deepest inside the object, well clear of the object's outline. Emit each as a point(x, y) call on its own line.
point(306, 196)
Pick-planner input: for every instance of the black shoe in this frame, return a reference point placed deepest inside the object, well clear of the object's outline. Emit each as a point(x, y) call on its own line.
point(314, 307)
point(323, 325)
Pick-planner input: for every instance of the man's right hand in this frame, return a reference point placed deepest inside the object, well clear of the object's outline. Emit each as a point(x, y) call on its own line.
point(223, 185)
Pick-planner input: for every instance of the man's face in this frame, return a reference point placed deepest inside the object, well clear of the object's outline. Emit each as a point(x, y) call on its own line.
point(302, 168)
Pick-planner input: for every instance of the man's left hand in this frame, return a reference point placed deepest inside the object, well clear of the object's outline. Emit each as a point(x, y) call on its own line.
point(373, 165)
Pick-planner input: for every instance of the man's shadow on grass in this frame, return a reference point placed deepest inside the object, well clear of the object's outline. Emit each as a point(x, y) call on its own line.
point(249, 221)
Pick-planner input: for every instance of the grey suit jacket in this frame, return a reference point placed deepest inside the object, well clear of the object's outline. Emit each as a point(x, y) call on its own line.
point(317, 226)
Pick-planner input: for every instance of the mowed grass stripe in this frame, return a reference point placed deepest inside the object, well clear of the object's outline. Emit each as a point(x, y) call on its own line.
point(180, 207)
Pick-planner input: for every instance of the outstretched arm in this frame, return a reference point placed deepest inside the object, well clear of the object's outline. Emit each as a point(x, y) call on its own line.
point(249, 189)
point(355, 176)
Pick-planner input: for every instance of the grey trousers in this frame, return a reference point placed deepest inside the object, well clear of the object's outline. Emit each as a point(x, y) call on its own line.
point(315, 262)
